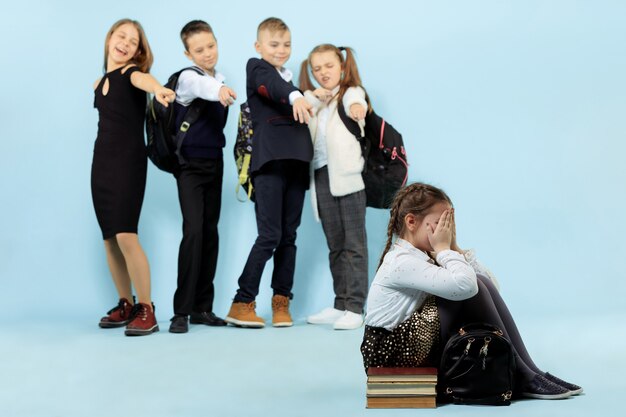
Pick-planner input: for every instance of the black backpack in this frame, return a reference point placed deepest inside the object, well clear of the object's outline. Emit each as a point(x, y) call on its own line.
point(243, 153)
point(477, 367)
point(386, 166)
point(163, 138)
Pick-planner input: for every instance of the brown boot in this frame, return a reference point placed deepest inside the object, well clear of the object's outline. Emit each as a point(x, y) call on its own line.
point(118, 316)
point(243, 315)
point(280, 310)
point(144, 322)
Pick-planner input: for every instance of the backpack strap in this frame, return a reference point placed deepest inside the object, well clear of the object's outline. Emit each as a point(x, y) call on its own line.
point(352, 126)
point(195, 68)
point(196, 108)
point(357, 130)
point(193, 113)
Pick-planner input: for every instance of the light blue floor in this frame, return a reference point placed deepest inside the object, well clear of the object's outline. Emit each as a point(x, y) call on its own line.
point(65, 369)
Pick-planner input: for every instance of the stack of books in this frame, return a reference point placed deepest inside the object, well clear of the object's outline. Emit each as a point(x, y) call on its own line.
point(401, 388)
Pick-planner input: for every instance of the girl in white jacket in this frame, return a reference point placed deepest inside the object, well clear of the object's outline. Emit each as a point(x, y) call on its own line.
point(337, 188)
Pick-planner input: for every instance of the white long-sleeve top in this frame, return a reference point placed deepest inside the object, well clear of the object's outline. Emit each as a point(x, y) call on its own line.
point(192, 85)
point(342, 150)
point(407, 276)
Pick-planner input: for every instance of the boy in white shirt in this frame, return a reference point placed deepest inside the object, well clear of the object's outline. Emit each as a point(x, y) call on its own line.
point(199, 180)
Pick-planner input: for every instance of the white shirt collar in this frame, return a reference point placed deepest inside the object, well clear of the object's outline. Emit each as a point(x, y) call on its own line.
point(218, 75)
point(286, 74)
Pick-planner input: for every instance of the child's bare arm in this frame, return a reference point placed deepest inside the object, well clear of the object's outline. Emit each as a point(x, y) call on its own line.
point(149, 84)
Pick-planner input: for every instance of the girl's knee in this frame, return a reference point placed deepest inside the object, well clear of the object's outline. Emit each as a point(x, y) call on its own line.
point(486, 283)
point(127, 241)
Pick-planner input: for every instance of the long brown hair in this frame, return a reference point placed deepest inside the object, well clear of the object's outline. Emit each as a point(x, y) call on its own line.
point(350, 78)
point(417, 199)
point(144, 58)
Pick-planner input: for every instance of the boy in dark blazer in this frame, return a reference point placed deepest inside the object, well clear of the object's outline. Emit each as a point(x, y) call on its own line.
point(282, 150)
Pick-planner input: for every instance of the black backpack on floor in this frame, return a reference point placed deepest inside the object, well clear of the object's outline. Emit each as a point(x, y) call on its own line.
point(163, 138)
point(477, 367)
point(386, 167)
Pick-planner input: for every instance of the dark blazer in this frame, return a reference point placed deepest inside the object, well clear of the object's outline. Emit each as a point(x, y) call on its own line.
point(277, 135)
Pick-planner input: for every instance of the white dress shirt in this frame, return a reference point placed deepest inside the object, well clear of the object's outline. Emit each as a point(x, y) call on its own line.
point(320, 155)
point(192, 85)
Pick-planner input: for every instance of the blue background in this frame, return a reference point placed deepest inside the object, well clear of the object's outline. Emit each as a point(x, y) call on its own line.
point(516, 109)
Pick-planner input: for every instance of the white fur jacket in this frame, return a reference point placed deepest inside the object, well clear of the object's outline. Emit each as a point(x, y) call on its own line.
point(345, 161)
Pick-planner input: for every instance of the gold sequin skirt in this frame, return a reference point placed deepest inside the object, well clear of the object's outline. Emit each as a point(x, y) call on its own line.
point(408, 345)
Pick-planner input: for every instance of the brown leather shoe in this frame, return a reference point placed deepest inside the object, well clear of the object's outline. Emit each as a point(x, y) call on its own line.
point(144, 321)
point(280, 310)
point(118, 316)
point(244, 315)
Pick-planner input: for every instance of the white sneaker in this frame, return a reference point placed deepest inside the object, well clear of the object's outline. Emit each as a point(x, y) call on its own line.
point(349, 321)
point(326, 316)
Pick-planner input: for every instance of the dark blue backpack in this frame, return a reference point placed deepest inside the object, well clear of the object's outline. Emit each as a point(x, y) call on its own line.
point(163, 138)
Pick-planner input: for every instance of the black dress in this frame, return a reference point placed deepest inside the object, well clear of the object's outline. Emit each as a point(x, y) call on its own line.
point(118, 171)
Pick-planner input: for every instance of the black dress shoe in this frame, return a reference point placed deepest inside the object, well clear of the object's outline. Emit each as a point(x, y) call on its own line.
point(179, 324)
point(573, 388)
point(543, 389)
point(209, 319)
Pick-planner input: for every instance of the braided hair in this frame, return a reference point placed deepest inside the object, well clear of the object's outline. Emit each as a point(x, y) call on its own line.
point(417, 199)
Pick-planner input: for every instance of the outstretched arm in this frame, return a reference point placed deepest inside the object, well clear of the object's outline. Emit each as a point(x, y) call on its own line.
point(267, 82)
point(302, 110)
point(149, 84)
point(192, 85)
point(354, 103)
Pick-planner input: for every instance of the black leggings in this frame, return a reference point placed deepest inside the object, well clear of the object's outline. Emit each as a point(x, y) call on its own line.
point(487, 307)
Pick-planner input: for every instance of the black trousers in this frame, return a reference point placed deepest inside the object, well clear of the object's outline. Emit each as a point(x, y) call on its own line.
point(487, 307)
point(279, 196)
point(200, 195)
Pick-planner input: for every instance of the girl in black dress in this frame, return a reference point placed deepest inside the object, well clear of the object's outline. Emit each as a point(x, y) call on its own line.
point(118, 172)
